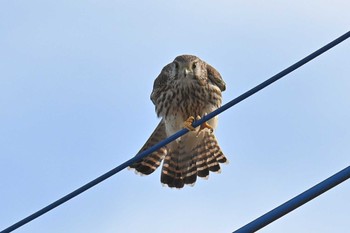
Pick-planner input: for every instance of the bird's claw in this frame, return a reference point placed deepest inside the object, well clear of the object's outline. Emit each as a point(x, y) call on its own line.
point(206, 125)
point(188, 123)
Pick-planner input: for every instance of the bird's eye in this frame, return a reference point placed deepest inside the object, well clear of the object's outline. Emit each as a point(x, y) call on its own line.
point(176, 65)
point(194, 65)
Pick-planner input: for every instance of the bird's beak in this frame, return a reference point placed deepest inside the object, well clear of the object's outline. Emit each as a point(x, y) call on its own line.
point(186, 71)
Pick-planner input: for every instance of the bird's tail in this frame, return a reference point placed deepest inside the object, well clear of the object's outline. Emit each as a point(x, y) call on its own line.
point(191, 156)
point(152, 161)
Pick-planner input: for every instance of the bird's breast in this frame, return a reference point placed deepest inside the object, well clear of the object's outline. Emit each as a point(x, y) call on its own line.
point(183, 101)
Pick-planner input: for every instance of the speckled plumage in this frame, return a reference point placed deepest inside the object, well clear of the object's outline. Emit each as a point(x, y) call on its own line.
point(186, 87)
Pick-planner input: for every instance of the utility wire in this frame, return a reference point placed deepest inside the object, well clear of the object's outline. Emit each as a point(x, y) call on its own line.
point(296, 202)
point(176, 135)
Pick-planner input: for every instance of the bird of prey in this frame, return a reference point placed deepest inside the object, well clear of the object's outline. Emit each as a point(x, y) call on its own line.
point(186, 89)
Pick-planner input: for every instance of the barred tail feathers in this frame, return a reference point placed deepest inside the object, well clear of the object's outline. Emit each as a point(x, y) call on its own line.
point(179, 167)
point(152, 161)
point(208, 155)
point(191, 156)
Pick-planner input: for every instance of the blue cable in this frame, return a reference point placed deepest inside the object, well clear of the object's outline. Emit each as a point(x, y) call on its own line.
point(176, 135)
point(296, 202)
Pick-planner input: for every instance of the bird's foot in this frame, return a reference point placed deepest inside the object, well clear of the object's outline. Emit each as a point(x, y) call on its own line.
point(205, 125)
point(188, 123)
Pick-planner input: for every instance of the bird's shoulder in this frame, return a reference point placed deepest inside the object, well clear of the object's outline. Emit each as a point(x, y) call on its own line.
point(161, 81)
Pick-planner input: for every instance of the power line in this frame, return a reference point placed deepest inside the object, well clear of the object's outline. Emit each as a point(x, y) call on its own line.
point(176, 135)
point(296, 202)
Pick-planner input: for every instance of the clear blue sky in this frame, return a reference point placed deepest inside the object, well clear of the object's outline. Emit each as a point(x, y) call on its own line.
point(75, 80)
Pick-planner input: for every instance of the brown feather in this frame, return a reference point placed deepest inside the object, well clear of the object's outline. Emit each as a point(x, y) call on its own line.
point(151, 162)
point(185, 161)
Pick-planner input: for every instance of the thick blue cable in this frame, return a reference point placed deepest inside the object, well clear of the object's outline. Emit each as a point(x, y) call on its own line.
point(296, 202)
point(176, 135)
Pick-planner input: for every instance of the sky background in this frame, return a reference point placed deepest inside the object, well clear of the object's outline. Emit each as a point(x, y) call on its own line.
point(75, 81)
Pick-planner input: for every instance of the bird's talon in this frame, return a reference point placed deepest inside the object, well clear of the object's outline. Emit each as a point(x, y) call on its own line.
point(188, 123)
point(206, 125)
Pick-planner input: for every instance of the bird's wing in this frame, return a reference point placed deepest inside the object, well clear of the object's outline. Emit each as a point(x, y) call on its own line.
point(160, 83)
point(215, 77)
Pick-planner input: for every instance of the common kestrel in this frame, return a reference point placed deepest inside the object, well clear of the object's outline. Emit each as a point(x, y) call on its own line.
point(186, 89)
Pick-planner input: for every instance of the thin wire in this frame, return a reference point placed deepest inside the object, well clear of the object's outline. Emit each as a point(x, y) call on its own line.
point(176, 135)
point(296, 202)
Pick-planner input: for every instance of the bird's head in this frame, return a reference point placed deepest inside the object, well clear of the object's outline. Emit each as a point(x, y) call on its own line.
point(187, 67)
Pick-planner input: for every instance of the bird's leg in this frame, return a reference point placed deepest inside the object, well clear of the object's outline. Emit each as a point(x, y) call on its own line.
point(205, 125)
point(190, 120)
point(188, 123)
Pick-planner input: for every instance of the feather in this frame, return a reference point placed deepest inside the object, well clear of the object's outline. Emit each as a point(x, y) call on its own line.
point(151, 162)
